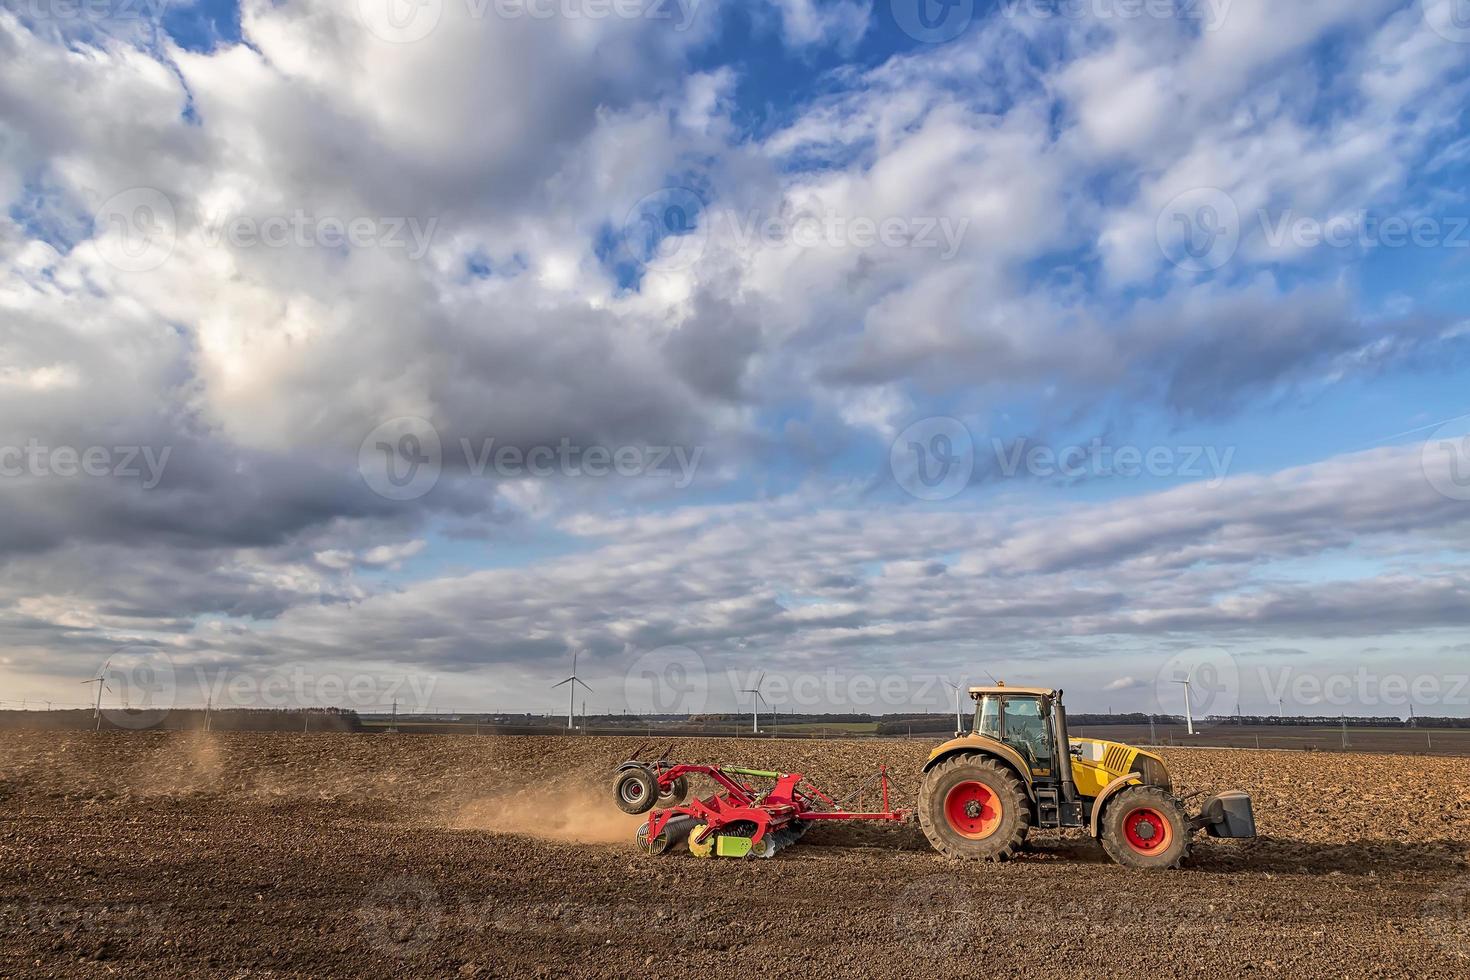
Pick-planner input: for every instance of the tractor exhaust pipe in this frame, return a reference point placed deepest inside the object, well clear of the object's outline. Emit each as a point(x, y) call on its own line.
point(1064, 747)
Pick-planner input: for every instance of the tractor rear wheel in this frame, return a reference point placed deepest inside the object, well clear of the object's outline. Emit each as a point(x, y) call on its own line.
point(1144, 828)
point(974, 808)
point(635, 790)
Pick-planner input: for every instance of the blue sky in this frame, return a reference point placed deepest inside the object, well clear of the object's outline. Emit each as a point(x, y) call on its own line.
point(1065, 342)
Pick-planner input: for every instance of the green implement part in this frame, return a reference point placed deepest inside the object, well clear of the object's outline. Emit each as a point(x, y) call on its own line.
point(732, 847)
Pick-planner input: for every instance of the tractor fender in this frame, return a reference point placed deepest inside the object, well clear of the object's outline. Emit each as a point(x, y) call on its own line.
point(632, 765)
point(982, 745)
point(1108, 790)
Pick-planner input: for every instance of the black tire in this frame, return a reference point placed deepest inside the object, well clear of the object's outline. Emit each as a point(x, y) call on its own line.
point(1144, 828)
point(677, 793)
point(991, 837)
point(636, 790)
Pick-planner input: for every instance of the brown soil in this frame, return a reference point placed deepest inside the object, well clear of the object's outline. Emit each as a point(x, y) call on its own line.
point(366, 855)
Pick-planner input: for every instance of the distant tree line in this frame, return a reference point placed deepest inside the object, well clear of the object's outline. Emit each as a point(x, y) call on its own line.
point(187, 719)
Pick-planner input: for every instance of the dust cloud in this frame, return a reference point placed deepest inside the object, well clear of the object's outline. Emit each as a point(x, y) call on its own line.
point(561, 813)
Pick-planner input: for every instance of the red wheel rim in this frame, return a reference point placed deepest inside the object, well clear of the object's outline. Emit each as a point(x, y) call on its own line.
point(1147, 830)
point(973, 810)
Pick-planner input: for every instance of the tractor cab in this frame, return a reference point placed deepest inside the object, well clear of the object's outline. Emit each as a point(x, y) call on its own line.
point(1020, 717)
point(1031, 726)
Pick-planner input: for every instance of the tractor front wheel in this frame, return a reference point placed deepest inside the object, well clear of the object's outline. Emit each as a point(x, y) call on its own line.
point(1144, 828)
point(973, 808)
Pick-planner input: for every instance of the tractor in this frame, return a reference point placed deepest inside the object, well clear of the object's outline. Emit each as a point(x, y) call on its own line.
point(1018, 769)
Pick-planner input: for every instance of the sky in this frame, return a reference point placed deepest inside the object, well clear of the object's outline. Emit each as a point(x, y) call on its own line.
point(367, 351)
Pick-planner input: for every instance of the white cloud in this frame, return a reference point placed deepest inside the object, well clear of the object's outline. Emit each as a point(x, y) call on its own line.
point(508, 155)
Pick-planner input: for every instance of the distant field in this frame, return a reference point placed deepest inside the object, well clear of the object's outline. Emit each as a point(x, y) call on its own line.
point(1405, 740)
point(1213, 734)
point(841, 728)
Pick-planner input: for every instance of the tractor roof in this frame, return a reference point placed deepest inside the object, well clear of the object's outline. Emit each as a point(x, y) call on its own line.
point(976, 692)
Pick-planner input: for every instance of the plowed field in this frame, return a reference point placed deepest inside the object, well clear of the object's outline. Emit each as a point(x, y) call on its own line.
point(166, 855)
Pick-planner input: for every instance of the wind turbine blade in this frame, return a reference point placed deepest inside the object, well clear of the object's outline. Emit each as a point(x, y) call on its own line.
point(560, 683)
point(760, 680)
point(582, 682)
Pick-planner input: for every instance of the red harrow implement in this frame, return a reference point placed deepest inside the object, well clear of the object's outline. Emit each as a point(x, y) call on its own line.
point(739, 819)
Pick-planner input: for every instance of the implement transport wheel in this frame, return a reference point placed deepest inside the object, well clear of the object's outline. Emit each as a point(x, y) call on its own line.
point(677, 793)
point(1144, 828)
point(973, 808)
point(635, 790)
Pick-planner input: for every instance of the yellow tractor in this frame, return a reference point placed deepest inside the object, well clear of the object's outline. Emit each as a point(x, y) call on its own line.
point(1018, 769)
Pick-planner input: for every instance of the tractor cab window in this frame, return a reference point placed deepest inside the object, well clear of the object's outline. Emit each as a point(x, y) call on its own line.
point(1025, 731)
point(1018, 721)
point(987, 716)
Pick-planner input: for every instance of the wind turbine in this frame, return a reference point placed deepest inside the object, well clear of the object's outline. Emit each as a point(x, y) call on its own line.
point(1188, 708)
point(101, 681)
point(755, 706)
point(574, 680)
point(958, 725)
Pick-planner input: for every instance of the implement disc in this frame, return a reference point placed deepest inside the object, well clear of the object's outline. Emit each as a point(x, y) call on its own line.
point(704, 848)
